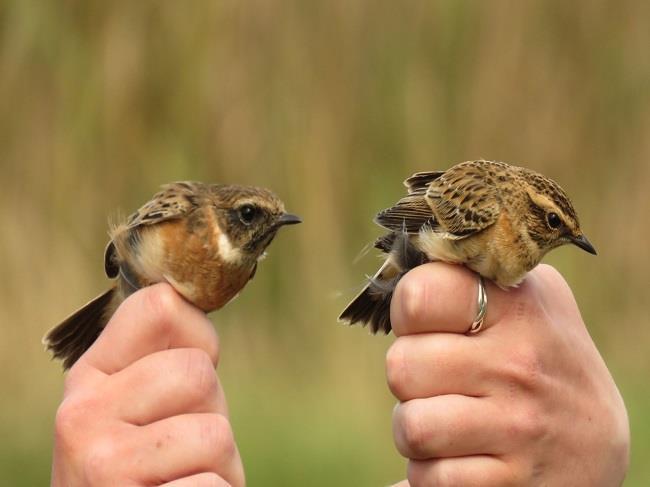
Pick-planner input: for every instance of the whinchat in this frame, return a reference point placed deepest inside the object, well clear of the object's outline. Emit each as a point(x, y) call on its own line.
point(204, 239)
point(497, 219)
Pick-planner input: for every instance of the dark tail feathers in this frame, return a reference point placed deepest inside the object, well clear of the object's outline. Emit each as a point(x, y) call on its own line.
point(69, 340)
point(372, 305)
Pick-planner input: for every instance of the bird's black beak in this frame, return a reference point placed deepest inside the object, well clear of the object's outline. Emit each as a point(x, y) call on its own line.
point(582, 242)
point(288, 219)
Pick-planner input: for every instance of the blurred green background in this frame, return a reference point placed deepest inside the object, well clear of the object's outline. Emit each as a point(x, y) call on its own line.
point(332, 104)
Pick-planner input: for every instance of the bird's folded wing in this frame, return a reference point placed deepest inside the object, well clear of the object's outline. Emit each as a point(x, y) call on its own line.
point(408, 215)
point(464, 202)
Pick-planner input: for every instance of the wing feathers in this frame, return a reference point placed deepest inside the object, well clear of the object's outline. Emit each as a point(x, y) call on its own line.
point(463, 200)
point(409, 214)
point(421, 180)
point(173, 201)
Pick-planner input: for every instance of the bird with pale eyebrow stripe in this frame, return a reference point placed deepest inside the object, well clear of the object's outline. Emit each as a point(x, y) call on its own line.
point(497, 219)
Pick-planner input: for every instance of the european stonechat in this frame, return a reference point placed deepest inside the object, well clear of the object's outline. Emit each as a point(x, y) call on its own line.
point(204, 239)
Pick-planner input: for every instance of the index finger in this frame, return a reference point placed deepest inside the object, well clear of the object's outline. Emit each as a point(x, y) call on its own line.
point(152, 319)
point(439, 297)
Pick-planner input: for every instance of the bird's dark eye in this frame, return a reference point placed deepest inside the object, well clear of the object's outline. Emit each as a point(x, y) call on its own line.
point(553, 220)
point(247, 214)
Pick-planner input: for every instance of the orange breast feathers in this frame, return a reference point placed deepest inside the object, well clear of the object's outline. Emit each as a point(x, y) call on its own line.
point(200, 263)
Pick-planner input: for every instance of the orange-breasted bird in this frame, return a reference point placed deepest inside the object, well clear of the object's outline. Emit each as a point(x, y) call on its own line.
point(497, 219)
point(204, 239)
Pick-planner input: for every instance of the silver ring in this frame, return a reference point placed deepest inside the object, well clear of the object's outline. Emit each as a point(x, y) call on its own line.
point(477, 324)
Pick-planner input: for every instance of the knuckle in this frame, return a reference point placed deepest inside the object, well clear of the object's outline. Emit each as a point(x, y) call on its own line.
point(444, 476)
point(162, 302)
point(66, 423)
point(101, 458)
point(550, 272)
point(395, 369)
point(444, 473)
point(70, 420)
point(525, 369)
point(528, 425)
point(199, 378)
point(211, 346)
point(216, 434)
point(433, 472)
point(410, 434)
point(553, 279)
point(67, 416)
point(408, 294)
point(78, 441)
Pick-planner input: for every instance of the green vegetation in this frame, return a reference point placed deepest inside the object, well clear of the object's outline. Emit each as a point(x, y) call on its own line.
point(331, 104)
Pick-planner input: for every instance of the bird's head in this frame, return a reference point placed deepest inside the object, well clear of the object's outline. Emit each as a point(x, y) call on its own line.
point(551, 219)
point(249, 218)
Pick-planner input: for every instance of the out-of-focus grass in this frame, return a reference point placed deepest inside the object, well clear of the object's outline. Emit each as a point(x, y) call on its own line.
point(331, 104)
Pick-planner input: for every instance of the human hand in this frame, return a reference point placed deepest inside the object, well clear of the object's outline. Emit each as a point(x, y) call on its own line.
point(528, 401)
point(143, 406)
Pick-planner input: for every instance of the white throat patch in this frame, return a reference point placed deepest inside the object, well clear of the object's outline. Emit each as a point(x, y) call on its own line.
point(226, 251)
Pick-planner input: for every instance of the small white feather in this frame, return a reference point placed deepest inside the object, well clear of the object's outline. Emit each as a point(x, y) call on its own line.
point(226, 250)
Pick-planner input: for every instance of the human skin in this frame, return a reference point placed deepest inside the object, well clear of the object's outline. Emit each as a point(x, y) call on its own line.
point(528, 401)
point(143, 406)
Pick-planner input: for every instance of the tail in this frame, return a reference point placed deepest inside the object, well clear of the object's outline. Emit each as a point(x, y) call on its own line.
point(69, 340)
point(372, 306)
